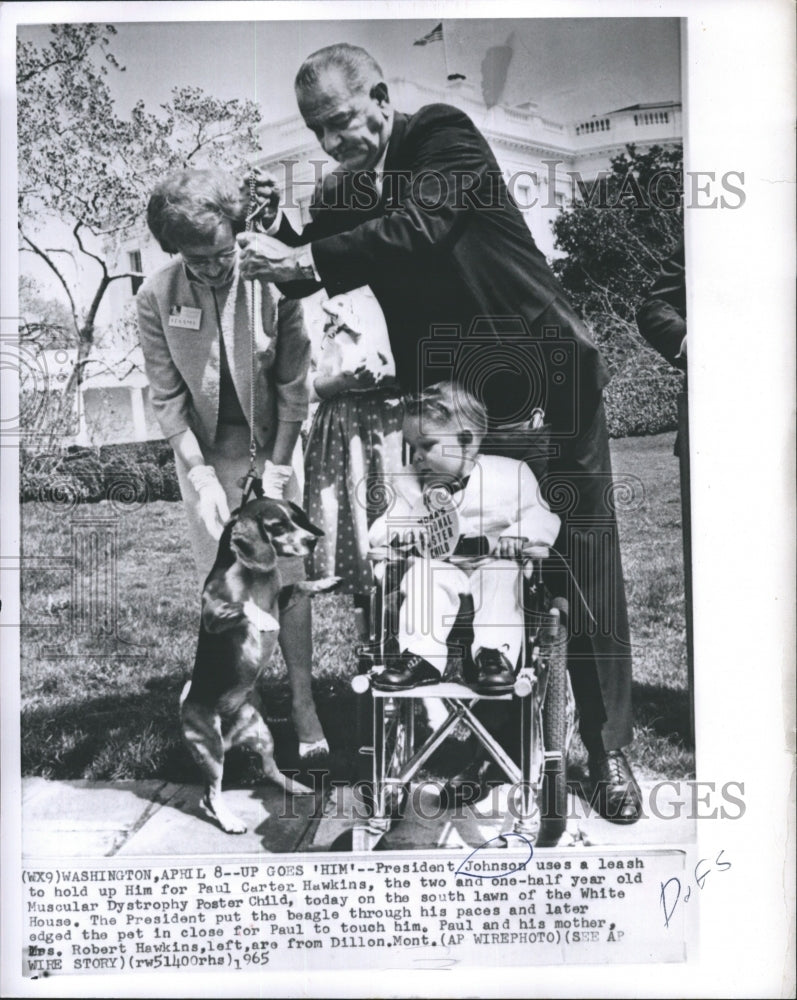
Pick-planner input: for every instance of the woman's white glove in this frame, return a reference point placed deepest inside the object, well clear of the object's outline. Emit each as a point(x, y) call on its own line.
point(212, 507)
point(275, 479)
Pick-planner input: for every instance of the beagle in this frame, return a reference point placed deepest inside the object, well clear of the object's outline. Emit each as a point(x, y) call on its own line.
point(219, 706)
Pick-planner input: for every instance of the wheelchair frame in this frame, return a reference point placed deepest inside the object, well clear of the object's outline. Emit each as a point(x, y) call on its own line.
point(547, 715)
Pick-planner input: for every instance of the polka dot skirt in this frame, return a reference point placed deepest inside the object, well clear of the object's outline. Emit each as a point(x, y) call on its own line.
point(354, 443)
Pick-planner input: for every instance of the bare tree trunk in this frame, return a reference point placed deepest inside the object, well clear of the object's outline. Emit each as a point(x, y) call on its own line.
point(73, 390)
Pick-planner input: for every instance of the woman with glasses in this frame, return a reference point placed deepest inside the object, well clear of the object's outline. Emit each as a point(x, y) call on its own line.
point(219, 363)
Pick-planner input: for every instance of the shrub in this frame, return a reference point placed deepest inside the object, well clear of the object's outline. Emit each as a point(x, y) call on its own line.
point(126, 473)
point(641, 397)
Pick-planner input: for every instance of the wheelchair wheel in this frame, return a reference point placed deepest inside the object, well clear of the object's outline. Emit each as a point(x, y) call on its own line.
point(555, 714)
point(385, 795)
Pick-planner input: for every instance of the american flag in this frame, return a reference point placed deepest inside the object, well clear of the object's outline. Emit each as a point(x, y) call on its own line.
point(435, 35)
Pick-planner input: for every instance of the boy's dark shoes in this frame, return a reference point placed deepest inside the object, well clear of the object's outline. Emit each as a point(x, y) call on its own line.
point(619, 799)
point(408, 672)
point(494, 673)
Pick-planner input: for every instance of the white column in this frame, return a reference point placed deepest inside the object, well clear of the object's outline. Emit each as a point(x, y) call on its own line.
point(137, 414)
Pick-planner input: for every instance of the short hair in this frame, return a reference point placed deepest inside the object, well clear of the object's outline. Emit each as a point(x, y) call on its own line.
point(448, 404)
point(186, 208)
point(359, 68)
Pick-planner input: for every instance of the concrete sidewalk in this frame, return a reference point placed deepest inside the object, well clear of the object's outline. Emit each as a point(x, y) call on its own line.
point(134, 818)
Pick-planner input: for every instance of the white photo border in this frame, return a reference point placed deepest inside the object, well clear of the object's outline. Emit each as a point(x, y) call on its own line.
point(739, 105)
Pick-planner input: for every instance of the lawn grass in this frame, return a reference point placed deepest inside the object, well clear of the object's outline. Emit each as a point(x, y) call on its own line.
point(114, 716)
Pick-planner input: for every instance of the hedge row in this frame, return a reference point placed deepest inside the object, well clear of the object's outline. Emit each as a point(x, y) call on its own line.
point(125, 474)
point(641, 397)
point(640, 400)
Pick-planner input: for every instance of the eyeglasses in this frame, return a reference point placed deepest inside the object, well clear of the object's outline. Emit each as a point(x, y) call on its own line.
point(215, 258)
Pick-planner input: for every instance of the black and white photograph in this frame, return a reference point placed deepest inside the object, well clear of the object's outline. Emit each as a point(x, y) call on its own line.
point(377, 580)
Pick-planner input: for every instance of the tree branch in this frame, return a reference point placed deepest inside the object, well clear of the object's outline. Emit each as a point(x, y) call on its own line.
point(51, 264)
point(60, 250)
point(211, 140)
point(88, 253)
point(127, 274)
point(43, 67)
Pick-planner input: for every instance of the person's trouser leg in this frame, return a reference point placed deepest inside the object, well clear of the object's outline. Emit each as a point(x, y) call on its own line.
point(432, 591)
point(599, 650)
point(296, 644)
point(497, 608)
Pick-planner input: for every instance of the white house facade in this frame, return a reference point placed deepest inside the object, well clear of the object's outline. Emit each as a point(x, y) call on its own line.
point(541, 159)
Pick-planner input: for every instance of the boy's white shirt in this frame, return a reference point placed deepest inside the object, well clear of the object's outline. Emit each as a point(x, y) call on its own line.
point(501, 497)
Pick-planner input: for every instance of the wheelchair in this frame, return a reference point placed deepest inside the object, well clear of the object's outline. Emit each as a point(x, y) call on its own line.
point(542, 696)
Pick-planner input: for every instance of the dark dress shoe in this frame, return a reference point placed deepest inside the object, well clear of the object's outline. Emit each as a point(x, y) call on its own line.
point(494, 673)
point(409, 672)
point(471, 784)
point(619, 799)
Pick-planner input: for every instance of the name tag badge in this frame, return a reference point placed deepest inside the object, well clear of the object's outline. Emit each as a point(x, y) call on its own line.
point(185, 317)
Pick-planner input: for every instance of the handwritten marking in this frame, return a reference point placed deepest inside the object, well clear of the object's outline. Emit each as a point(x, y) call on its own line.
point(501, 874)
point(672, 887)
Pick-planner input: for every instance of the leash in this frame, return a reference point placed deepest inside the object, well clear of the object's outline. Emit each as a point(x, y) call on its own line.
point(247, 482)
point(578, 590)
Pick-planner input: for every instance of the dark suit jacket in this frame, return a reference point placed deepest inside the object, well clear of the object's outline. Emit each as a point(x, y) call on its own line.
point(662, 316)
point(456, 271)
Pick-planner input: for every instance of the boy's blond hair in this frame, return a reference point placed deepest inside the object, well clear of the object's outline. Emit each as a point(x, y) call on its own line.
point(447, 404)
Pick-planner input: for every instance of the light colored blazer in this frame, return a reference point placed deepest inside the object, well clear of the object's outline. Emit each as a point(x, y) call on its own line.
point(182, 364)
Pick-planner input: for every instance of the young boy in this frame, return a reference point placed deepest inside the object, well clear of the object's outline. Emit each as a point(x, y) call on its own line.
point(498, 508)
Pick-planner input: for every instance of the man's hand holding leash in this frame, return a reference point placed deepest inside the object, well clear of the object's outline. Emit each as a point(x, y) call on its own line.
point(269, 259)
point(267, 197)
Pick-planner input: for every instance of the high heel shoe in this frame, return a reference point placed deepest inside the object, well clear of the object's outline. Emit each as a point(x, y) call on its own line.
point(315, 751)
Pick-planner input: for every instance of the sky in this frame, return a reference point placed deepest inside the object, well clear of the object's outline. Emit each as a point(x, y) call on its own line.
point(570, 67)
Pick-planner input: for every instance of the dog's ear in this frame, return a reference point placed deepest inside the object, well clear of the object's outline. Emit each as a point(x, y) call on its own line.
point(224, 554)
point(301, 520)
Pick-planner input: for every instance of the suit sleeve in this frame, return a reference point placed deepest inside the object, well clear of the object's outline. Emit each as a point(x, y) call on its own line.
point(449, 174)
point(292, 362)
point(535, 521)
point(662, 317)
point(288, 235)
point(169, 394)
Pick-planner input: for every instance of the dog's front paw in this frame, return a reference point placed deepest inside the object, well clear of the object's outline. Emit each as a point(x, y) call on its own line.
point(230, 611)
point(218, 616)
point(231, 824)
point(227, 820)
